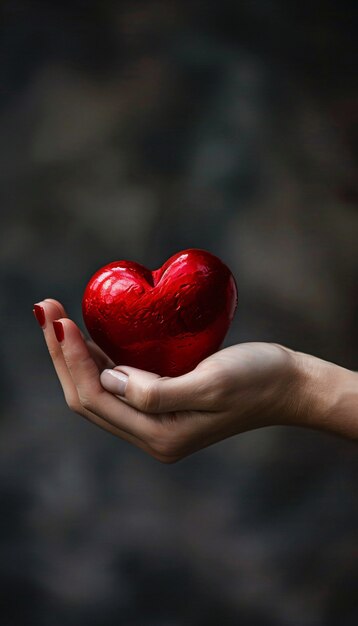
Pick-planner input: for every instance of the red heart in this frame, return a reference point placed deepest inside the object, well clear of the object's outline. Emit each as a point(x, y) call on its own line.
point(164, 321)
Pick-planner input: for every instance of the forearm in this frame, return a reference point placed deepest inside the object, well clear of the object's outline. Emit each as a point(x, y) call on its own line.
point(327, 397)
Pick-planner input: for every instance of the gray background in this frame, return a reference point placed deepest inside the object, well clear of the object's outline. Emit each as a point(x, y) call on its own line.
point(134, 130)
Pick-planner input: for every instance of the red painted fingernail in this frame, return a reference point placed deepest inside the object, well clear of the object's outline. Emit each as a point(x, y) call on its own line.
point(39, 313)
point(59, 332)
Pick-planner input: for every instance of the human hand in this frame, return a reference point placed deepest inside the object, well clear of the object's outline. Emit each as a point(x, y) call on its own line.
point(240, 388)
point(237, 389)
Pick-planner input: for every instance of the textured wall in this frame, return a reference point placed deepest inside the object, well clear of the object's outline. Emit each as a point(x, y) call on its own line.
point(133, 130)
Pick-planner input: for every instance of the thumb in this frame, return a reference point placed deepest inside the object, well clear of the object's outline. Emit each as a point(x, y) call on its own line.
point(150, 393)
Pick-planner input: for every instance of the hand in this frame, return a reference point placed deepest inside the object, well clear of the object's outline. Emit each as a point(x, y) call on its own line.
point(237, 389)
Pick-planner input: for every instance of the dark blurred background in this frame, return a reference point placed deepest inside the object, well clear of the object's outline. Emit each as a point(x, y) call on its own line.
point(134, 130)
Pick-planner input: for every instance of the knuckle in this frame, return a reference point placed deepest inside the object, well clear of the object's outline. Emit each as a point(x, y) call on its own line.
point(220, 394)
point(213, 398)
point(73, 403)
point(217, 388)
point(86, 401)
point(54, 352)
point(167, 447)
point(149, 401)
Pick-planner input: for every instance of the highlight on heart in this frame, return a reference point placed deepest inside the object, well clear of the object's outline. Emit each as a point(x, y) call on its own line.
point(164, 321)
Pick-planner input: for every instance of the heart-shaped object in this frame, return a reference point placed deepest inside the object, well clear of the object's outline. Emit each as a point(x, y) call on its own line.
point(164, 321)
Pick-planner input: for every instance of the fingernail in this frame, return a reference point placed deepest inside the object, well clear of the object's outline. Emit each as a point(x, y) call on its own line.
point(59, 332)
point(39, 313)
point(114, 381)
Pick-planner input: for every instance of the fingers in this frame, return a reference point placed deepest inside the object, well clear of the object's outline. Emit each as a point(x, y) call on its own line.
point(92, 396)
point(140, 429)
point(149, 393)
point(46, 313)
point(167, 437)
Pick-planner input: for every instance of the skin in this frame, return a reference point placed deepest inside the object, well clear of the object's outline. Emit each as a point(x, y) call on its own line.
point(240, 388)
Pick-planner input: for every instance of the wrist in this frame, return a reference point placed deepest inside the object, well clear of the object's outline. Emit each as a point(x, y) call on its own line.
point(326, 396)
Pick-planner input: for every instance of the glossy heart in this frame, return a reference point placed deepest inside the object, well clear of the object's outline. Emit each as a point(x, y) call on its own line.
point(165, 321)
